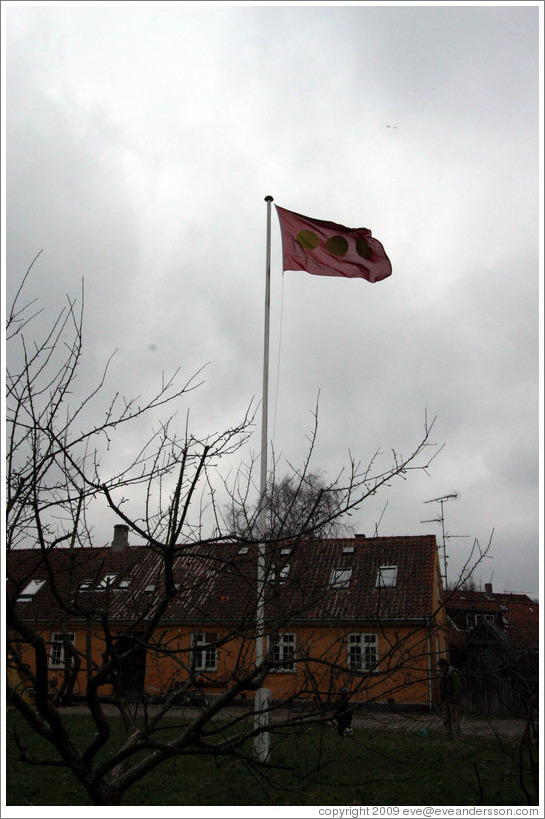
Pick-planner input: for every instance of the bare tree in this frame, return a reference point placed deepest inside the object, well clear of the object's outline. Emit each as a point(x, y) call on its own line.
point(56, 481)
point(296, 506)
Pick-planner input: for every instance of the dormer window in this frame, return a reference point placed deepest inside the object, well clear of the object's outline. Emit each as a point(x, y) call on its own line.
point(340, 578)
point(150, 589)
point(348, 550)
point(30, 590)
point(243, 550)
point(124, 583)
point(107, 581)
point(85, 585)
point(284, 573)
point(386, 577)
point(285, 552)
point(279, 574)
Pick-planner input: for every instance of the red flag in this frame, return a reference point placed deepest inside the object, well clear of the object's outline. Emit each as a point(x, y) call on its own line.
point(328, 249)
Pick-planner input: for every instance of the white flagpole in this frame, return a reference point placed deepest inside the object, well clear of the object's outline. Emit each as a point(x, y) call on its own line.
point(262, 697)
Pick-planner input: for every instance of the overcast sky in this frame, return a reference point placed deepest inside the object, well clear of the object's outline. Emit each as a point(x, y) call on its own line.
point(141, 141)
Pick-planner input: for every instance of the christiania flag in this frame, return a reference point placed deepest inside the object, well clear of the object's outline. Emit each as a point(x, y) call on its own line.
point(327, 249)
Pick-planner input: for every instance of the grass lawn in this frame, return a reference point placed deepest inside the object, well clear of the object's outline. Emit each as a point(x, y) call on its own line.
point(373, 768)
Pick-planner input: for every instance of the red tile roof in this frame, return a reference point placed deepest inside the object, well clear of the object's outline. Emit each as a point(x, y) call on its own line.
point(218, 584)
point(519, 614)
point(522, 616)
point(471, 600)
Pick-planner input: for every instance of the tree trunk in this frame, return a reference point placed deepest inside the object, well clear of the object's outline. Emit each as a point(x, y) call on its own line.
point(104, 793)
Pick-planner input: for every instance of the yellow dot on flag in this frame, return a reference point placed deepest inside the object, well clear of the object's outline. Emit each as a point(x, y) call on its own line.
point(307, 239)
point(363, 248)
point(337, 245)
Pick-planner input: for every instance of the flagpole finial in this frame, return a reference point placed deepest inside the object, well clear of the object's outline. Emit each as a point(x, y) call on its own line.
point(269, 199)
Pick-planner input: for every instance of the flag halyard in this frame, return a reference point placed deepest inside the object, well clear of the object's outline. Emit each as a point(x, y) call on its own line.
point(328, 249)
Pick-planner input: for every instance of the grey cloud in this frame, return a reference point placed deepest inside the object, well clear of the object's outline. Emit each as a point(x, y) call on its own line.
point(140, 148)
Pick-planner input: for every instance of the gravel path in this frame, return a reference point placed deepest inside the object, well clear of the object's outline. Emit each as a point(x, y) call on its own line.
point(469, 724)
point(406, 722)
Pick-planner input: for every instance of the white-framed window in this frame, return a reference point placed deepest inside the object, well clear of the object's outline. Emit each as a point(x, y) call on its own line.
point(386, 577)
point(475, 617)
point(340, 578)
point(85, 585)
point(285, 551)
point(205, 651)
point(278, 574)
point(363, 652)
point(56, 651)
point(30, 590)
point(243, 550)
point(284, 652)
point(125, 583)
point(107, 581)
point(348, 550)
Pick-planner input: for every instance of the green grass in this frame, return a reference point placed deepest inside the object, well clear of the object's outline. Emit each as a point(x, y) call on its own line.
point(373, 768)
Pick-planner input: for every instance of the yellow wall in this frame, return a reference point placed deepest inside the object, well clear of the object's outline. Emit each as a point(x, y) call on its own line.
point(321, 667)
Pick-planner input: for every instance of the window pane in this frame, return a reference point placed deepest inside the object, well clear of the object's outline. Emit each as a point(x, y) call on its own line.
point(30, 589)
point(284, 651)
point(387, 576)
point(56, 652)
point(340, 578)
point(355, 656)
point(206, 654)
point(107, 581)
point(363, 652)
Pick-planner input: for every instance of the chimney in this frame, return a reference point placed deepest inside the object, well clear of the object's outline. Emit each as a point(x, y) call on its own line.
point(121, 537)
point(359, 537)
point(488, 590)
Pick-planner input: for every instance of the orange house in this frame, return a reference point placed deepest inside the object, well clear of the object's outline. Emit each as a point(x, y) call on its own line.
point(362, 612)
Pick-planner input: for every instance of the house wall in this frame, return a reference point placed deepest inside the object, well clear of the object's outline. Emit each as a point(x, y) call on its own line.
point(404, 673)
point(401, 675)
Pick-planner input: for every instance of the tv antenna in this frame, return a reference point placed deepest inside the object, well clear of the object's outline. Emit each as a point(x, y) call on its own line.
point(442, 500)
